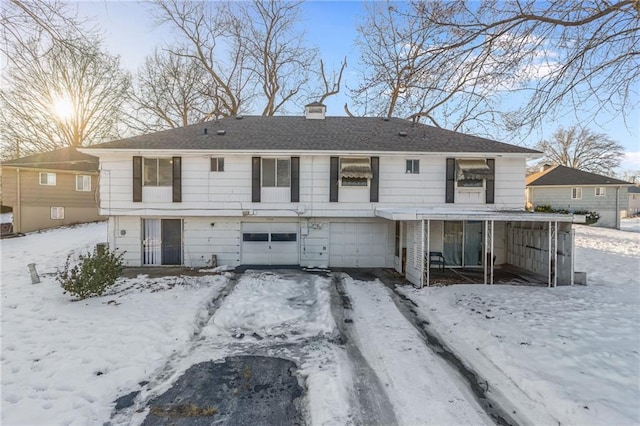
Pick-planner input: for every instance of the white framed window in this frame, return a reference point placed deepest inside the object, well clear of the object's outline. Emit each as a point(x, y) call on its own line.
point(354, 181)
point(276, 172)
point(57, 213)
point(413, 166)
point(83, 183)
point(576, 193)
point(157, 171)
point(217, 164)
point(600, 191)
point(47, 178)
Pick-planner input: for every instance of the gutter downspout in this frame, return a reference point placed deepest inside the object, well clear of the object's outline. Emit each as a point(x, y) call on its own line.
point(17, 213)
point(617, 207)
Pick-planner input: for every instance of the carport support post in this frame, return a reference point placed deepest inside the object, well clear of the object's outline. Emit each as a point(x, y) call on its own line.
point(488, 252)
point(553, 254)
point(426, 247)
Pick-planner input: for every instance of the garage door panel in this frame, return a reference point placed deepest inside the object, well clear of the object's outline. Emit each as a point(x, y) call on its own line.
point(270, 243)
point(358, 244)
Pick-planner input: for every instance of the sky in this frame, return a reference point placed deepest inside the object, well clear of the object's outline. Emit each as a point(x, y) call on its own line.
point(331, 27)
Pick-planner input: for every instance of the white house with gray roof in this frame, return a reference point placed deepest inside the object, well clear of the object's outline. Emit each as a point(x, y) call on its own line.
point(574, 190)
point(320, 191)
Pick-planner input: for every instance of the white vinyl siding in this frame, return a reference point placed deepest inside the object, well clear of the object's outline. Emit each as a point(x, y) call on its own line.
point(229, 193)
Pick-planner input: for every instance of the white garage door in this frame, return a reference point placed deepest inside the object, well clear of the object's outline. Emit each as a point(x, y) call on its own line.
point(358, 244)
point(270, 244)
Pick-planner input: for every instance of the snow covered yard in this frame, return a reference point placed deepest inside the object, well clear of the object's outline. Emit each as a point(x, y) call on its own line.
point(569, 355)
point(65, 362)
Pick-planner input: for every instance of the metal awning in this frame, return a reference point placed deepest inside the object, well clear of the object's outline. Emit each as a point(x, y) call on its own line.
point(424, 213)
point(355, 168)
point(473, 169)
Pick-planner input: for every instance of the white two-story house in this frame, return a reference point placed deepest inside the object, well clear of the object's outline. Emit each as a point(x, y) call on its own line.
point(320, 191)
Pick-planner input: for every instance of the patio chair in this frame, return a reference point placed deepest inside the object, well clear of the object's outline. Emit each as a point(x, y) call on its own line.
point(436, 258)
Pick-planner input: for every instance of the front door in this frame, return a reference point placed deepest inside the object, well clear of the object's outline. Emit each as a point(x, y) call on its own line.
point(162, 242)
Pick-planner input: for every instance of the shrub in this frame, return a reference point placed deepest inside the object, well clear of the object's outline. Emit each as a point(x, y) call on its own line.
point(92, 275)
point(546, 208)
point(591, 217)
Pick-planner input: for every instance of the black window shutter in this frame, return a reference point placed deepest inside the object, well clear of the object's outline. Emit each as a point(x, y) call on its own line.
point(451, 180)
point(491, 182)
point(255, 179)
point(137, 179)
point(333, 179)
point(177, 179)
point(295, 179)
point(375, 180)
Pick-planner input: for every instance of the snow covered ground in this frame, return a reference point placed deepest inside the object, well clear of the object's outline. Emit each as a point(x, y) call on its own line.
point(568, 355)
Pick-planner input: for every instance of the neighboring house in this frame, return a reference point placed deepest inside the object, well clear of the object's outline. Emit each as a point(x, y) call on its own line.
point(51, 189)
point(574, 190)
point(633, 201)
point(320, 191)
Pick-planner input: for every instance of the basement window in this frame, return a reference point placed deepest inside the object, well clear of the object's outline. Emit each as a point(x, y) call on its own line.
point(57, 213)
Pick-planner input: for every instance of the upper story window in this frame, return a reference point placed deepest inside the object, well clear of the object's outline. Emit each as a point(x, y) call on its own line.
point(83, 183)
point(355, 171)
point(600, 191)
point(157, 172)
point(47, 178)
point(217, 164)
point(472, 173)
point(276, 172)
point(576, 193)
point(413, 166)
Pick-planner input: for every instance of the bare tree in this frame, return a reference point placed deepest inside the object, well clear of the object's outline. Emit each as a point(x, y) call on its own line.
point(276, 56)
point(53, 96)
point(203, 28)
point(331, 84)
point(170, 92)
point(409, 73)
point(582, 149)
point(253, 54)
point(558, 54)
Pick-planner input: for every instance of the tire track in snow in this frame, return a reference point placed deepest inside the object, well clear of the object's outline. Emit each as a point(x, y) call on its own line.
point(370, 399)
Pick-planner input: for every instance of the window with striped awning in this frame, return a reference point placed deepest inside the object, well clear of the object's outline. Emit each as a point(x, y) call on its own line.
point(473, 170)
point(355, 168)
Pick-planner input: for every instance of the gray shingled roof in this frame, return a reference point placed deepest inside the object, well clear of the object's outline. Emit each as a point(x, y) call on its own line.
point(562, 175)
point(280, 133)
point(634, 189)
point(60, 159)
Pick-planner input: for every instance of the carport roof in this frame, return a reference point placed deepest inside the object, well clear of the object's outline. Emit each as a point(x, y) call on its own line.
point(403, 213)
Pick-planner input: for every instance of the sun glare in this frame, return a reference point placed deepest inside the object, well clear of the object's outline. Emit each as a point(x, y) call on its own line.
point(63, 107)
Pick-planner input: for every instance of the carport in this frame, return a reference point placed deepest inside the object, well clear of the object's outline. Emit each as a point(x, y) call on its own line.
point(539, 245)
